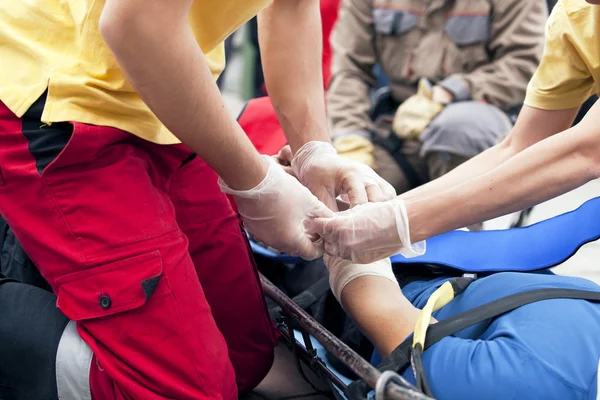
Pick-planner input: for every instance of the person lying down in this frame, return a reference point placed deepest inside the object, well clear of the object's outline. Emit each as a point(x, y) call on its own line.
point(548, 349)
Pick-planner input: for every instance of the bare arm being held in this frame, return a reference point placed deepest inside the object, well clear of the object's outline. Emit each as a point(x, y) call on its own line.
point(381, 311)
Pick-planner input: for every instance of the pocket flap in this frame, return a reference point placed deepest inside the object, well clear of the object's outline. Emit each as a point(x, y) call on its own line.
point(389, 21)
point(383, 19)
point(111, 288)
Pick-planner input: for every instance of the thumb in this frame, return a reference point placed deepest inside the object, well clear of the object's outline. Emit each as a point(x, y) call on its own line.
point(316, 226)
point(309, 250)
point(320, 210)
point(357, 194)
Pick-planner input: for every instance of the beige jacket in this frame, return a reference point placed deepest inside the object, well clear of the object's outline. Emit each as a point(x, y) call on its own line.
point(477, 49)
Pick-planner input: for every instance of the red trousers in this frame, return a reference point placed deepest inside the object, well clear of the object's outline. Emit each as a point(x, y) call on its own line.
point(145, 253)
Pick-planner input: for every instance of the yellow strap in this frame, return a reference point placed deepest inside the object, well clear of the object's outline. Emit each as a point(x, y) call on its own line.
point(442, 296)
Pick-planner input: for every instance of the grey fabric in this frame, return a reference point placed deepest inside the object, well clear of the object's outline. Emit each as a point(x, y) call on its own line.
point(389, 170)
point(468, 29)
point(455, 85)
point(73, 363)
point(465, 128)
point(404, 21)
point(383, 19)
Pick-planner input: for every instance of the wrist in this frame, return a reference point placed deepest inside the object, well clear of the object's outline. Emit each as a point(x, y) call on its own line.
point(409, 248)
point(253, 176)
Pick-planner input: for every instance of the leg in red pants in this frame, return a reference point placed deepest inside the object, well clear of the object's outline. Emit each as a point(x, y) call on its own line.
point(96, 218)
point(226, 270)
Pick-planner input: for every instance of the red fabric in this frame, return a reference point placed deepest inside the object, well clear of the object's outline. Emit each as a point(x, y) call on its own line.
point(259, 120)
point(329, 14)
point(112, 212)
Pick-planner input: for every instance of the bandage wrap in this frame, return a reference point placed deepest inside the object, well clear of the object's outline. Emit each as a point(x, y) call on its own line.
point(342, 272)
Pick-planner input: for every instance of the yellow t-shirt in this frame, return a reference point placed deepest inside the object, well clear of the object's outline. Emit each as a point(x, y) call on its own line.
point(569, 72)
point(56, 45)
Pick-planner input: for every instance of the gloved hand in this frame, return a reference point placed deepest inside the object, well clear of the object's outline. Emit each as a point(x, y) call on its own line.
point(356, 148)
point(273, 212)
point(415, 114)
point(318, 166)
point(367, 233)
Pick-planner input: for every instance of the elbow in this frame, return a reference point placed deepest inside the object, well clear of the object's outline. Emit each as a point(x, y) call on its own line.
point(112, 25)
point(129, 25)
point(508, 147)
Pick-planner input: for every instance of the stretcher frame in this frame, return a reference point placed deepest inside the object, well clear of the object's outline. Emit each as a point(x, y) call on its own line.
point(388, 385)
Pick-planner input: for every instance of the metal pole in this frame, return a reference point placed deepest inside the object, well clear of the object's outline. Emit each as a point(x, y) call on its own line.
point(348, 356)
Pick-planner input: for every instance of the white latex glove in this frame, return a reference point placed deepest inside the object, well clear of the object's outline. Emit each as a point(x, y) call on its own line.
point(318, 166)
point(367, 233)
point(273, 212)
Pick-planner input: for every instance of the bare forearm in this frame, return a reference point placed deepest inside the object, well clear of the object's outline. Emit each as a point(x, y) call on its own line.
point(532, 126)
point(291, 45)
point(380, 309)
point(170, 74)
point(472, 168)
point(547, 169)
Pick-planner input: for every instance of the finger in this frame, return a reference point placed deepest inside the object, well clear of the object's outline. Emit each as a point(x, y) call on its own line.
point(331, 249)
point(387, 189)
point(356, 191)
point(321, 211)
point(309, 250)
point(375, 193)
point(285, 155)
point(288, 170)
point(315, 226)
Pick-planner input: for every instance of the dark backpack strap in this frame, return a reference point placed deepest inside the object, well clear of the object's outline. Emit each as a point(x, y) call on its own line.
point(393, 145)
point(399, 359)
point(306, 298)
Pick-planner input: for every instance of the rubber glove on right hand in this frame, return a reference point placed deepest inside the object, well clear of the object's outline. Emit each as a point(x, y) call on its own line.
point(273, 212)
point(417, 112)
point(367, 232)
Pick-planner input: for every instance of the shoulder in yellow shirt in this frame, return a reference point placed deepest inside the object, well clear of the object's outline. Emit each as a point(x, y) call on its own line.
point(55, 45)
point(570, 68)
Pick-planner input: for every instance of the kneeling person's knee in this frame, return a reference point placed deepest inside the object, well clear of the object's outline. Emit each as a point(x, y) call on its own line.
point(465, 129)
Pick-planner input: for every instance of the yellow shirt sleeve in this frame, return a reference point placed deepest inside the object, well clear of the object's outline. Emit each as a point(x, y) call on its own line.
point(562, 80)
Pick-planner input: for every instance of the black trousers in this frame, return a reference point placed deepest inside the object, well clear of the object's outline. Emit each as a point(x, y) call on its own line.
point(30, 326)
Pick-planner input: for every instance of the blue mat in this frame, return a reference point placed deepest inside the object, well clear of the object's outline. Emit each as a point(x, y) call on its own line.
point(539, 246)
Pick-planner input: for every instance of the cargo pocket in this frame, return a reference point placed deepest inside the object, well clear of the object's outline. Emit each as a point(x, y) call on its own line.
point(149, 343)
point(112, 288)
point(465, 30)
point(393, 22)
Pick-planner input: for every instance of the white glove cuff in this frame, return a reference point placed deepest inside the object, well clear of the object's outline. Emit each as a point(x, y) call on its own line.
point(250, 193)
point(342, 272)
point(409, 250)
